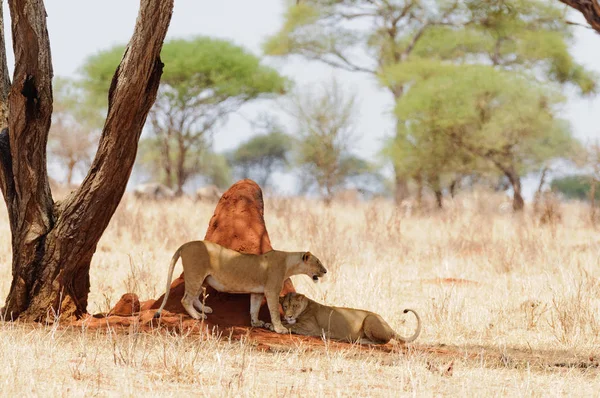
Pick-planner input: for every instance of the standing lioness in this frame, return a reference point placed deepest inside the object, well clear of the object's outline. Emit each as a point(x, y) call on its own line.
point(307, 317)
point(232, 272)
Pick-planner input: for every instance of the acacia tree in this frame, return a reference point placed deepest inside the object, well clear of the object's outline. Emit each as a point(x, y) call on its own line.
point(53, 243)
point(363, 36)
point(205, 80)
point(372, 36)
point(494, 115)
point(526, 37)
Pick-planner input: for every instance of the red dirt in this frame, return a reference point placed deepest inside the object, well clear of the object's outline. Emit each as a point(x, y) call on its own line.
point(237, 223)
point(128, 305)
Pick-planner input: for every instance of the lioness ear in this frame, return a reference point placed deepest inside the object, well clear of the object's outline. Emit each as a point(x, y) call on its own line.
point(306, 256)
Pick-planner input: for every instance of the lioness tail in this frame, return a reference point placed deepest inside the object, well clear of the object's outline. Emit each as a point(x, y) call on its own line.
point(417, 332)
point(169, 277)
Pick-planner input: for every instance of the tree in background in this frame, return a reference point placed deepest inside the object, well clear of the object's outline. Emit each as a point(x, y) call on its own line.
point(362, 36)
point(490, 114)
point(325, 134)
point(53, 242)
point(205, 80)
point(73, 136)
point(263, 154)
point(575, 187)
point(516, 35)
point(522, 37)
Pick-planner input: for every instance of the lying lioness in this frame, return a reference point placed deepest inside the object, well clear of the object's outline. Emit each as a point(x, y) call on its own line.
point(307, 317)
point(233, 272)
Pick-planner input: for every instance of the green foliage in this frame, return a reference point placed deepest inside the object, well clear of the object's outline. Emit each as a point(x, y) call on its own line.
point(203, 81)
point(574, 187)
point(216, 169)
point(261, 155)
point(194, 67)
point(492, 113)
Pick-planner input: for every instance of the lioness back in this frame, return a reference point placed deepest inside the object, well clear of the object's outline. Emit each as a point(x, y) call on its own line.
point(227, 270)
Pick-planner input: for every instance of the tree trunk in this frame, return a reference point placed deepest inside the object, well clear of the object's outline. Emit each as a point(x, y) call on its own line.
point(515, 182)
point(4, 77)
point(538, 193)
point(453, 186)
point(437, 190)
point(181, 172)
point(401, 189)
point(419, 179)
point(439, 198)
point(53, 243)
point(70, 170)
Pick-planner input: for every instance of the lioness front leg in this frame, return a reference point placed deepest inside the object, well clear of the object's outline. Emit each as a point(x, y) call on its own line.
point(304, 329)
point(255, 301)
point(273, 304)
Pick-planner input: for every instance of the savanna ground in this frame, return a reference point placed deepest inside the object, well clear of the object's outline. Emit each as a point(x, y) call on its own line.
point(522, 317)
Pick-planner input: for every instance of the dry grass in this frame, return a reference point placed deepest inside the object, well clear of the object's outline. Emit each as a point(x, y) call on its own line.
point(528, 326)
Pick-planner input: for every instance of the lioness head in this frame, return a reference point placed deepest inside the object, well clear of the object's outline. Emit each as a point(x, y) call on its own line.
point(313, 266)
point(293, 305)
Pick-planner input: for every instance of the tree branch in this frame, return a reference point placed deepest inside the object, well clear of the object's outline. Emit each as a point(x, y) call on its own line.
point(132, 93)
point(590, 10)
point(344, 63)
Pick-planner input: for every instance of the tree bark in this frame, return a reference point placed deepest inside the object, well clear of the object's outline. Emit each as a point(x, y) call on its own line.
point(439, 198)
point(4, 77)
point(515, 182)
point(538, 193)
point(590, 10)
point(401, 188)
point(419, 179)
point(453, 186)
point(53, 243)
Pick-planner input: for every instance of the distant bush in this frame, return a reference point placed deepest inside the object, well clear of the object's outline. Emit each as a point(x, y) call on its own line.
point(574, 187)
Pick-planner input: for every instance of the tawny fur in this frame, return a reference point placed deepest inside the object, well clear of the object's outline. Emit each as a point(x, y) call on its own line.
point(234, 272)
point(307, 317)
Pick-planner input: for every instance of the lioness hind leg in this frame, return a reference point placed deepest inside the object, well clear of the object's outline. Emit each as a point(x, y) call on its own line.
point(188, 303)
point(193, 287)
point(377, 330)
point(201, 307)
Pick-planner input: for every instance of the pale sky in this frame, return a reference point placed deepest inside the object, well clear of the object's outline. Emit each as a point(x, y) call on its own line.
point(80, 28)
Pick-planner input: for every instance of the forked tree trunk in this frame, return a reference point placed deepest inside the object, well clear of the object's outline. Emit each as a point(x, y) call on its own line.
point(53, 243)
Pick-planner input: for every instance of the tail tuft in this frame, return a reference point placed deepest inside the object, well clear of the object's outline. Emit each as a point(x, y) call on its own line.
point(156, 315)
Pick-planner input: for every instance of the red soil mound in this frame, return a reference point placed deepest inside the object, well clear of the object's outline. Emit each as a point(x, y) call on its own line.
point(237, 223)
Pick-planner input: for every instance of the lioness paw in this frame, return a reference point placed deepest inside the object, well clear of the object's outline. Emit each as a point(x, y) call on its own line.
point(280, 329)
point(258, 324)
